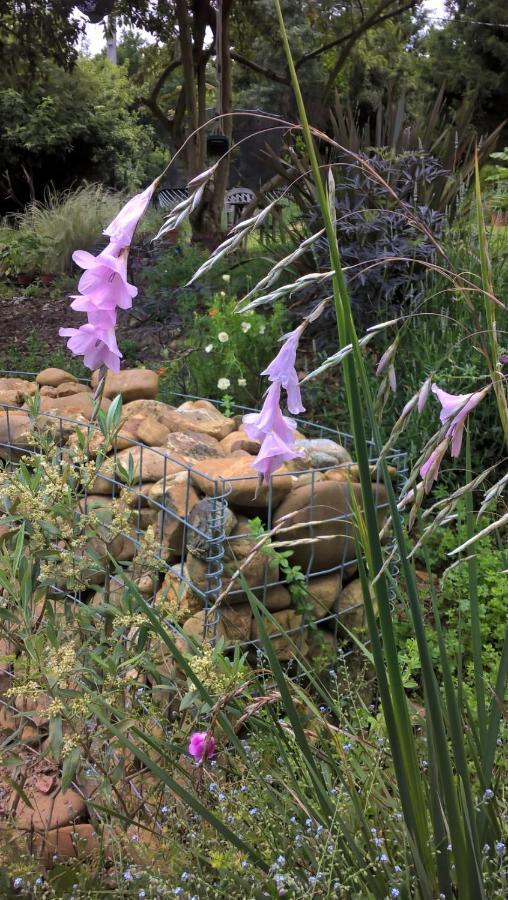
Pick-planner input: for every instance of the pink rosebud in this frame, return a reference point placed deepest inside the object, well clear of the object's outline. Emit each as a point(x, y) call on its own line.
point(201, 744)
point(123, 226)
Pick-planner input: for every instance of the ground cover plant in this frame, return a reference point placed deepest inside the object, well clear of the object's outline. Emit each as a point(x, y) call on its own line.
point(290, 767)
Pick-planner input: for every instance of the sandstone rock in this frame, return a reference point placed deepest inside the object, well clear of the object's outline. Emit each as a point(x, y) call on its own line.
point(63, 428)
point(303, 478)
point(322, 649)
point(323, 593)
point(204, 520)
point(114, 596)
point(54, 377)
point(152, 432)
point(351, 606)
point(203, 417)
point(15, 430)
point(72, 841)
point(69, 407)
point(66, 389)
point(191, 446)
point(239, 440)
point(256, 571)
point(285, 620)
point(233, 623)
point(48, 812)
point(7, 653)
point(11, 398)
point(153, 408)
point(34, 708)
point(132, 384)
point(19, 387)
point(176, 597)
point(173, 498)
point(150, 463)
point(241, 482)
point(145, 585)
point(276, 598)
point(350, 472)
point(317, 453)
point(327, 505)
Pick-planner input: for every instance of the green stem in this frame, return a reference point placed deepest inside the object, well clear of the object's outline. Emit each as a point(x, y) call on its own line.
point(476, 634)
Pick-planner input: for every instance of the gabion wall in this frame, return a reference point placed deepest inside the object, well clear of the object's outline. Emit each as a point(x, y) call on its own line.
point(201, 507)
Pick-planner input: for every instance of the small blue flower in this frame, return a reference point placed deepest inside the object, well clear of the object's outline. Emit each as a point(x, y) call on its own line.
point(244, 864)
point(500, 848)
point(269, 779)
point(213, 787)
point(253, 811)
point(488, 794)
point(221, 796)
point(141, 895)
point(184, 876)
point(178, 891)
point(394, 892)
point(127, 875)
point(347, 746)
point(281, 860)
point(383, 858)
point(17, 883)
point(279, 879)
point(397, 869)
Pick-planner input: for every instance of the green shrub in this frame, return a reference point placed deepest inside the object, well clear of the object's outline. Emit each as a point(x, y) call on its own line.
point(226, 352)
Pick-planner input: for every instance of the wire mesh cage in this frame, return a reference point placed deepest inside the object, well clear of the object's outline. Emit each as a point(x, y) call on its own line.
point(218, 533)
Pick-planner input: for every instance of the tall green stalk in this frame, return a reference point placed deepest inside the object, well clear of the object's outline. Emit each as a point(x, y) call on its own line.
point(394, 700)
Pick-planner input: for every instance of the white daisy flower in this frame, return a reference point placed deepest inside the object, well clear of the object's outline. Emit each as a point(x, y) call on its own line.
point(242, 382)
point(226, 278)
point(223, 336)
point(246, 326)
point(223, 384)
point(208, 348)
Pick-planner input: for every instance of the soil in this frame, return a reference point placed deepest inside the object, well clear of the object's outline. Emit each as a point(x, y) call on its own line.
point(23, 318)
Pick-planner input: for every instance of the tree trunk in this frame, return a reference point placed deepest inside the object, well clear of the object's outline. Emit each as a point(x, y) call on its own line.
point(207, 224)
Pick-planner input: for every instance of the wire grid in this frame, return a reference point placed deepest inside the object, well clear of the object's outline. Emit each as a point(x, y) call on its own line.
point(179, 532)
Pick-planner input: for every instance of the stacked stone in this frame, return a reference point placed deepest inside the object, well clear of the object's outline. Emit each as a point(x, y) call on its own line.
point(185, 459)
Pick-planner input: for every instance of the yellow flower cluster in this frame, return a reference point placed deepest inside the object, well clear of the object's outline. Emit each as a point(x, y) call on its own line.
point(205, 668)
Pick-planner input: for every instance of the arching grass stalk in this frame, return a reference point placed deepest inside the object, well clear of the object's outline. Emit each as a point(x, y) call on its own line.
point(402, 741)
